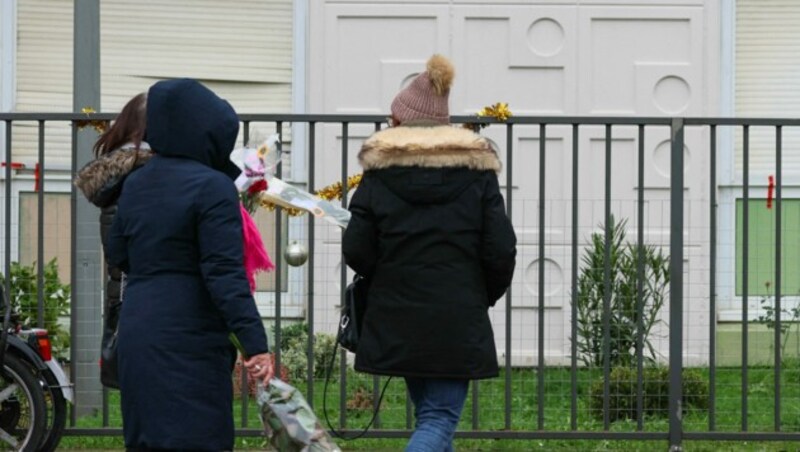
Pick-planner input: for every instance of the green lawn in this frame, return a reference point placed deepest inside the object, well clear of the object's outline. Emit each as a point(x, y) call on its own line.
point(491, 411)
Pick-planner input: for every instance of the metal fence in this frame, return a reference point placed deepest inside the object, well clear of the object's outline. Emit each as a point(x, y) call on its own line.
point(539, 395)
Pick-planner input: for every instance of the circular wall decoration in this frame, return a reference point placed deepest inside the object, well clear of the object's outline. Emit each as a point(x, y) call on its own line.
point(662, 157)
point(671, 94)
point(546, 37)
point(553, 278)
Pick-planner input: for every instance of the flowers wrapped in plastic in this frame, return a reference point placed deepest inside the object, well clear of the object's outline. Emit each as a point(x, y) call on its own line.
point(258, 185)
point(289, 422)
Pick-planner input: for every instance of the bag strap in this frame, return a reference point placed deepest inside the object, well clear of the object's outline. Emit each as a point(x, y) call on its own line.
point(340, 434)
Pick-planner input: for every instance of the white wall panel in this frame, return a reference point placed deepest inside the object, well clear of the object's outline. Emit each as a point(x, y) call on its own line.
point(653, 58)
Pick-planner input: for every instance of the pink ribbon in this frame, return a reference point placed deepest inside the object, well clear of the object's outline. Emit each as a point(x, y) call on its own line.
point(255, 255)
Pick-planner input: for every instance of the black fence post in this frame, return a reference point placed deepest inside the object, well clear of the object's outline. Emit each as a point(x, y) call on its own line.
point(676, 288)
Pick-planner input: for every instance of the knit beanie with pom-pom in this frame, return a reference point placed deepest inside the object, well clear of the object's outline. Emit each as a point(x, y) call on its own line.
point(427, 96)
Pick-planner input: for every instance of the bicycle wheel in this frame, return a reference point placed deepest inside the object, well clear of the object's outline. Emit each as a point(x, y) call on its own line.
point(22, 407)
point(56, 406)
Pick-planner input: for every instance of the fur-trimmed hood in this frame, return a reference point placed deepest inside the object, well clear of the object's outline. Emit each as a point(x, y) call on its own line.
point(428, 147)
point(101, 179)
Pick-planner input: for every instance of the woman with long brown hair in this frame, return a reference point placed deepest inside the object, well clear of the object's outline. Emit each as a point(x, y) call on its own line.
point(119, 150)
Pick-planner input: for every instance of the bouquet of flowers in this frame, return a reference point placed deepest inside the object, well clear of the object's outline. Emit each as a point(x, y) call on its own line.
point(258, 185)
point(256, 163)
point(289, 422)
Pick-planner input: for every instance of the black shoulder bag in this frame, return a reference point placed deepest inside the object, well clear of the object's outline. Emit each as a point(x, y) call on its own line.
point(109, 376)
point(352, 314)
point(355, 303)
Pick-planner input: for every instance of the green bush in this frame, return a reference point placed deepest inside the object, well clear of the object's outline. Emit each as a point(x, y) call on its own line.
point(24, 297)
point(294, 343)
point(625, 322)
point(655, 388)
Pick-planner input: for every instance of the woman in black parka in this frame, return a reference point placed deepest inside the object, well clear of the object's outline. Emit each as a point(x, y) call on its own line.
point(119, 150)
point(429, 230)
point(178, 237)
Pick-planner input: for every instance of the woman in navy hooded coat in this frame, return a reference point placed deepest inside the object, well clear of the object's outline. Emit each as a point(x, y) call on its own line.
point(178, 237)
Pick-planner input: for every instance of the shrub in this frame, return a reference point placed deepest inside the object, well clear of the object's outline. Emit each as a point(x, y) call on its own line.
point(790, 321)
point(624, 321)
point(294, 343)
point(24, 296)
point(655, 387)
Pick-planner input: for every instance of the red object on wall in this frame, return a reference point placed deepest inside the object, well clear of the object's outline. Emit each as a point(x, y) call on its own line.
point(14, 165)
point(36, 177)
point(770, 191)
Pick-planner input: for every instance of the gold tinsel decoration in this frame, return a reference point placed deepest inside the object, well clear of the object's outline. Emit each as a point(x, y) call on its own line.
point(328, 193)
point(99, 125)
point(499, 111)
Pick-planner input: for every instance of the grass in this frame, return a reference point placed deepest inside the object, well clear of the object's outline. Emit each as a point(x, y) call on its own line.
point(489, 414)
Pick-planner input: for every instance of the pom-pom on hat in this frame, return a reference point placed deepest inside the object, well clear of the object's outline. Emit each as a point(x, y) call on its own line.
point(427, 96)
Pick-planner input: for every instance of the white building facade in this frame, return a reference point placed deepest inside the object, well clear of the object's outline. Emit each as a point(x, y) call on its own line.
point(682, 58)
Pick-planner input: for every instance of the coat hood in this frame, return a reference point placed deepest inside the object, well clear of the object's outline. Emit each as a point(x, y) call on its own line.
point(428, 147)
point(186, 119)
point(427, 165)
point(101, 179)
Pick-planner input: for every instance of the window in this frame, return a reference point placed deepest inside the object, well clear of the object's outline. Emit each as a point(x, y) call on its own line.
point(265, 220)
point(761, 259)
point(57, 230)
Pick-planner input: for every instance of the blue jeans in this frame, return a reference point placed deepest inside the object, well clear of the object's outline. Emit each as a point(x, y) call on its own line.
point(437, 409)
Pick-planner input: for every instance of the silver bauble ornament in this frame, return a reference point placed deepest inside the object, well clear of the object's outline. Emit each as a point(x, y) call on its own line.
point(295, 254)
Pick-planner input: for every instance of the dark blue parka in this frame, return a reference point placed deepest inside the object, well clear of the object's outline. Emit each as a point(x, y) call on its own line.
point(178, 237)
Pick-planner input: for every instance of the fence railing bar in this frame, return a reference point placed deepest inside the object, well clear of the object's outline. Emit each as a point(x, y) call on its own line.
point(475, 413)
point(511, 435)
point(574, 285)
point(745, 267)
point(457, 119)
point(640, 284)
point(376, 381)
point(540, 367)
point(7, 229)
point(743, 436)
point(676, 285)
point(778, 273)
point(466, 434)
point(73, 324)
point(509, 192)
point(278, 252)
point(312, 156)
point(40, 230)
point(105, 412)
point(409, 413)
point(343, 282)
point(712, 289)
point(607, 283)
point(244, 378)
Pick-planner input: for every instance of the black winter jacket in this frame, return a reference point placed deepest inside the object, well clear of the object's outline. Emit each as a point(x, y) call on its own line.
point(101, 182)
point(430, 231)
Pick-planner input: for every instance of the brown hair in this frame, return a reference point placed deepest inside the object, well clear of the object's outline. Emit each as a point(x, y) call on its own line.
point(128, 127)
